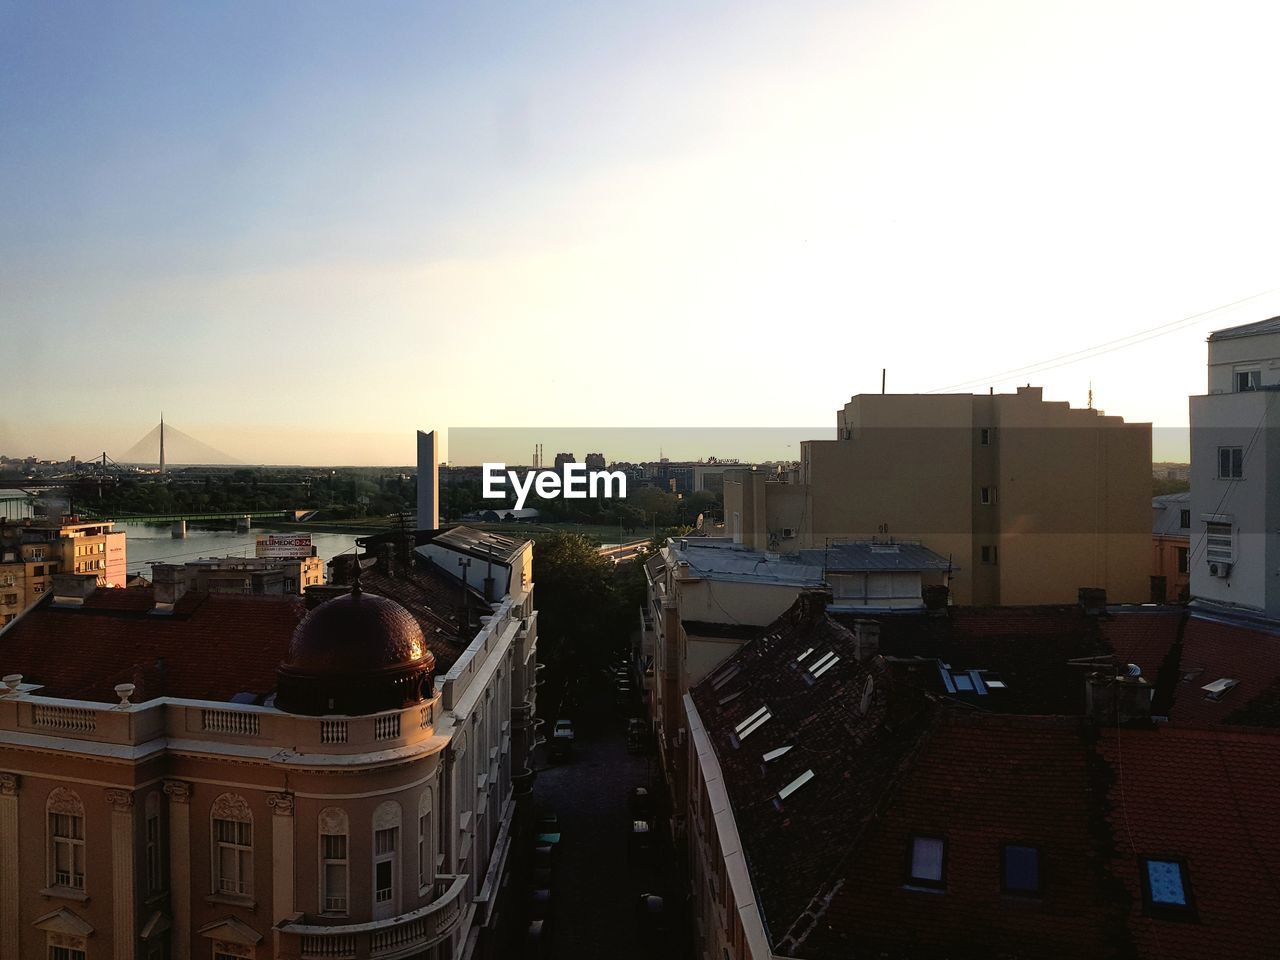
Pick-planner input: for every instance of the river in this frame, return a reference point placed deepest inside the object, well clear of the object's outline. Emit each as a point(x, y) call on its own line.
point(154, 543)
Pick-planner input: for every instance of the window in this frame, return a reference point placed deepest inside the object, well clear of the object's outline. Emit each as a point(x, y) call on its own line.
point(1184, 564)
point(334, 831)
point(66, 953)
point(989, 554)
point(384, 849)
point(10, 598)
point(232, 846)
point(1248, 380)
point(386, 840)
point(66, 839)
point(1166, 887)
point(988, 495)
point(154, 851)
point(426, 857)
point(984, 436)
point(37, 588)
point(1184, 519)
point(1230, 463)
point(1020, 870)
point(928, 857)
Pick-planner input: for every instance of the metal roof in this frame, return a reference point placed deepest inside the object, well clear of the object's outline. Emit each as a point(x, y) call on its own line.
point(871, 556)
point(1247, 330)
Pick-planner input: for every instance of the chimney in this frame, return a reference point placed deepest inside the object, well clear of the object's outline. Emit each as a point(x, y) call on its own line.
point(71, 589)
point(344, 568)
point(866, 636)
point(169, 582)
point(936, 597)
point(812, 603)
point(1116, 701)
point(1093, 600)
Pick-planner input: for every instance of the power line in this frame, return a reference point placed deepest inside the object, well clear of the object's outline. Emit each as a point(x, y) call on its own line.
point(1109, 346)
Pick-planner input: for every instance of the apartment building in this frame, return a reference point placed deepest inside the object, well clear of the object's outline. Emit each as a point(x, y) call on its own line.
point(1029, 500)
point(1171, 547)
point(32, 551)
point(915, 785)
point(229, 776)
point(260, 575)
point(706, 596)
point(1235, 471)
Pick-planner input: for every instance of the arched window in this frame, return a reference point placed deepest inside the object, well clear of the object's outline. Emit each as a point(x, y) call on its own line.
point(386, 841)
point(66, 839)
point(334, 833)
point(232, 826)
point(426, 855)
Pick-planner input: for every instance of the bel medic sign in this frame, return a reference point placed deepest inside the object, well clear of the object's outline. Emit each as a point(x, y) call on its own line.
point(276, 546)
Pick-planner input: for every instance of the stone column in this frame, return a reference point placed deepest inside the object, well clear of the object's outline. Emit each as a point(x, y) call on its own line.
point(124, 918)
point(282, 866)
point(9, 925)
point(179, 794)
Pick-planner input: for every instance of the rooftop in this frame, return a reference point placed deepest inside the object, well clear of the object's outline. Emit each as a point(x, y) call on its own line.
point(874, 555)
point(1247, 330)
point(718, 558)
point(480, 543)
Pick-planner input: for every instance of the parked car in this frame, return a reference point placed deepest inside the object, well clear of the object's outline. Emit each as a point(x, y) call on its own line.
point(564, 728)
point(641, 839)
point(651, 920)
point(637, 735)
point(641, 802)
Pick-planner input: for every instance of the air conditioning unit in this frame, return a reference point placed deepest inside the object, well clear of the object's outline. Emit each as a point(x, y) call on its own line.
point(788, 533)
point(1219, 568)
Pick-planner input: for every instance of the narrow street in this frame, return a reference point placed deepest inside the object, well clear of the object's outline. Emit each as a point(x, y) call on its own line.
point(600, 876)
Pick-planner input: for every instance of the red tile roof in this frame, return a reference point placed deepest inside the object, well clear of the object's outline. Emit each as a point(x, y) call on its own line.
point(1206, 796)
point(211, 647)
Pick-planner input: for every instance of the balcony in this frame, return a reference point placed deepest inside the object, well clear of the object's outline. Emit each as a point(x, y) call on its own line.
point(402, 936)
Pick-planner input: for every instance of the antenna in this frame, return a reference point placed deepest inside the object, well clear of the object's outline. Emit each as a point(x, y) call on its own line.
point(162, 441)
point(883, 372)
point(1090, 394)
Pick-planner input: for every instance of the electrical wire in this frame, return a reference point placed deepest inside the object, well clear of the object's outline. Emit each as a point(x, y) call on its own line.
point(1109, 346)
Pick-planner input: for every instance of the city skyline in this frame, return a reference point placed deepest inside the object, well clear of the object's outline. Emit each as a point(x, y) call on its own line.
point(740, 221)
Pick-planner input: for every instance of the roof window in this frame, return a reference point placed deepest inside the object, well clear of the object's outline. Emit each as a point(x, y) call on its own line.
point(775, 754)
point(803, 656)
point(795, 785)
point(1166, 886)
point(1219, 688)
point(752, 723)
point(928, 862)
point(1020, 870)
point(819, 671)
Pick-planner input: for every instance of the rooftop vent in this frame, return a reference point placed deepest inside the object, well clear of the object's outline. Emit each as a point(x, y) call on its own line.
point(1219, 688)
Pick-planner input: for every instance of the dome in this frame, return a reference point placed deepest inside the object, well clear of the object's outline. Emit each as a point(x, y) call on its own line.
point(359, 653)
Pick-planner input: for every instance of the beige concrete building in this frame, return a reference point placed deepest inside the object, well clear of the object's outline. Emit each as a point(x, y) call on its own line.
point(32, 551)
point(229, 776)
point(1029, 500)
point(258, 575)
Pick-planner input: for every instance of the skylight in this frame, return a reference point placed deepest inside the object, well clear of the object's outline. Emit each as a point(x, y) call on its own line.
point(725, 676)
point(795, 785)
point(800, 659)
point(752, 723)
point(821, 662)
point(775, 754)
point(819, 671)
point(1219, 688)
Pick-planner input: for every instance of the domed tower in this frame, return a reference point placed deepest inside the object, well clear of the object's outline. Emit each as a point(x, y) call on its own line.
point(357, 654)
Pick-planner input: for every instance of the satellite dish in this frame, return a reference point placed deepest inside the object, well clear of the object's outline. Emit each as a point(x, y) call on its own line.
point(699, 521)
point(867, 690)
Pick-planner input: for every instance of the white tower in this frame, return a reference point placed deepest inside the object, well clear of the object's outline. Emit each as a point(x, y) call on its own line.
point(428, 484)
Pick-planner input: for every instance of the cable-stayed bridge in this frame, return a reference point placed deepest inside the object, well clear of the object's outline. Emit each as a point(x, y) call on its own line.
point(166, 445)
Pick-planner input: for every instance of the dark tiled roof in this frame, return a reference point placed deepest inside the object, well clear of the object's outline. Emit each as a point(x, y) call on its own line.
point(729, 631)
point(211, 647)
point(1247, 329)
point(828, 863)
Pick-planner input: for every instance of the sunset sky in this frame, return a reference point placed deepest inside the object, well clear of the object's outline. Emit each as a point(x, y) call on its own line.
point(305, 230)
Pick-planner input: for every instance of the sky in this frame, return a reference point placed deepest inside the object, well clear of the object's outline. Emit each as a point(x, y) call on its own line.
point(305, 230)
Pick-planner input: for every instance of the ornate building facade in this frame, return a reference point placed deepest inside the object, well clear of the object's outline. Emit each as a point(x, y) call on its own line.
point(305, 784)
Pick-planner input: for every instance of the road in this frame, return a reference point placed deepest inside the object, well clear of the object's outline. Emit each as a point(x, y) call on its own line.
point(598, 879)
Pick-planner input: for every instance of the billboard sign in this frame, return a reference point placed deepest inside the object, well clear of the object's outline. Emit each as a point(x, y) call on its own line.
point(284, 546)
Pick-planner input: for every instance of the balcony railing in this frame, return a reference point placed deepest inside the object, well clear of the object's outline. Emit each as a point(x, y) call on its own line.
point(402, 936)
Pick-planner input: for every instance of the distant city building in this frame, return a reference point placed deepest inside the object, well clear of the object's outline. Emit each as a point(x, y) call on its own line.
point(253, 575)
point(1029, 500)
point(595, 461)
point(1171, 542)
point(227, 776)
point(1171, 471)
point(561, 460)
point(33, 551)
point(1235, 471)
